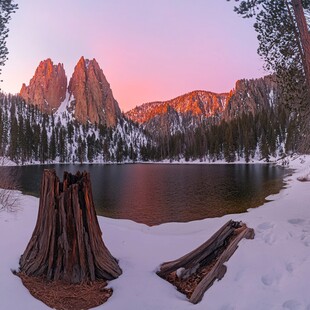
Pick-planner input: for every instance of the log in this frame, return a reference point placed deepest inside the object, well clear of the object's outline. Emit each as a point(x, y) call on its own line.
point(66, 243)
point(196, 271)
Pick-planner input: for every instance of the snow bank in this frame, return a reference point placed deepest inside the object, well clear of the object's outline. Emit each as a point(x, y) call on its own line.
point(270, 272)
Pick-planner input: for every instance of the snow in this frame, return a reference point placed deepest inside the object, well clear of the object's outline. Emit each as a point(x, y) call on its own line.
point(270, 272)
point(63, 106)
point(4, 161)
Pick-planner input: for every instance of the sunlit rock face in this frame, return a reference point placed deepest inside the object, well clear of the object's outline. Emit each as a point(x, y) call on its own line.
point(93, 97)
point(202, 107)
point(180, 114)
point(251, 96)
point(196, 103)
point(47, 89)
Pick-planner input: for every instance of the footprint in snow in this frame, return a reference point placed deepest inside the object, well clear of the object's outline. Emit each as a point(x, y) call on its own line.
point(292, 305)
point(271, 278)
point(289, 267)
point(297, 221)
point(267, 280)
point(305, 235)
point(265, 229)
point(305, 238)
point(228, 307)
point(264, 226)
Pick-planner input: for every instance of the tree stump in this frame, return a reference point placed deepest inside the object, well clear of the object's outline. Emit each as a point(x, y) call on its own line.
point(66, 243)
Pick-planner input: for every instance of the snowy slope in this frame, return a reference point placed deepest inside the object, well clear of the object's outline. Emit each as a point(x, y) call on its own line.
point(270, 272)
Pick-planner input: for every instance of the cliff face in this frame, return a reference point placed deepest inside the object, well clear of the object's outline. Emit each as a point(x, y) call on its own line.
point(251, 95)
point(47, 88)
point(197, 104)
point(93, 98)
point(190, 110)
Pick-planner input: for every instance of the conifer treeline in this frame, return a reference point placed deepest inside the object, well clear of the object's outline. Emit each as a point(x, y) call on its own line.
point(28, 135)
point(270, 132)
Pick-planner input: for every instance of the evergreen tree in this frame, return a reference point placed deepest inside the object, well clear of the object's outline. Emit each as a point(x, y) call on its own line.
point(132, 153)
point(284, 44)
point(91, 147)
point(52, 146)
point(62, 143)
point(228, 145)
point(7, 8)
point(14, 139)
point(44, 146)
point(28, 140)
point(119, 150)
point(81, 150)
point(21, 139)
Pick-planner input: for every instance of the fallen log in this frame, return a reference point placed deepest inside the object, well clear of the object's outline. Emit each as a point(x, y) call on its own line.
point(66, 243)
point(196, 271)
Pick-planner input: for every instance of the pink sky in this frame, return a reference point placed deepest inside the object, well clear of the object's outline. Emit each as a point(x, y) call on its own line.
point(149, 50)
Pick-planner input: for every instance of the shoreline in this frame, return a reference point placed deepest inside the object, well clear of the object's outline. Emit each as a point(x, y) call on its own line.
point(274, 160)
point(269, 272)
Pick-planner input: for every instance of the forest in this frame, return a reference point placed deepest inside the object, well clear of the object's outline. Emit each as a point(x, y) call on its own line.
point(29, 136)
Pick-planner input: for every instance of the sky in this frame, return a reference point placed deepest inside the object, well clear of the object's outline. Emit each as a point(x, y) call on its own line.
point(149, 50)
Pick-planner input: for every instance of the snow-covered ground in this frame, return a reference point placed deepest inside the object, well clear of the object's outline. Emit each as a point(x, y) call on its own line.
point(270, 272)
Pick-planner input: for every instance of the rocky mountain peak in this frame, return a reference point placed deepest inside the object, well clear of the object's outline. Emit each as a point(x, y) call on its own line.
point(196, 103)
point(93, 97)
point(47, 88)
point(251, 95)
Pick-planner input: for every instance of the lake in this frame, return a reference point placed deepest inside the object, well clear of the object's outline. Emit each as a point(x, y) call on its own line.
point(158, 193)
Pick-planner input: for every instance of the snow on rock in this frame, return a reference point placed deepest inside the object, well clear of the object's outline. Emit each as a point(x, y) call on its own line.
point(270, 272)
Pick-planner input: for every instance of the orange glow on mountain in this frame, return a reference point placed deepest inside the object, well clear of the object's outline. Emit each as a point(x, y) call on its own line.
point(195, 103)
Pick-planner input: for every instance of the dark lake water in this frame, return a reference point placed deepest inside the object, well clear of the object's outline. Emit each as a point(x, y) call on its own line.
point(160, 193)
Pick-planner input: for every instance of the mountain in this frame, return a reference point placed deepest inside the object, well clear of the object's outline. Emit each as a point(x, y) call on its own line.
point(47, 88)
point(88, 96)
point(252, 96)
point(196, 103)
point(52, 122)
point(93, 100)
point(191, 110)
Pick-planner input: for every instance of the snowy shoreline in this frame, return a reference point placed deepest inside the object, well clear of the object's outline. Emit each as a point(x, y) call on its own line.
point(283, 161)
point(269, 272)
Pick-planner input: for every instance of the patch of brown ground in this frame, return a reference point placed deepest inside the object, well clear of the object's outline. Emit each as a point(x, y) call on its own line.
point(63, 296)
point(187, 286)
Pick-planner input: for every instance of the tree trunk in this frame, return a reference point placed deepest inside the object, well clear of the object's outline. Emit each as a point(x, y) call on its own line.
point(67, 241)
point(196, 271)
point(304, 37)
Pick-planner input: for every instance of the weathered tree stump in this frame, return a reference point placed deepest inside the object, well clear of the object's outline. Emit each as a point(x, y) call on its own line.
point(66, 243)
point(196, 271)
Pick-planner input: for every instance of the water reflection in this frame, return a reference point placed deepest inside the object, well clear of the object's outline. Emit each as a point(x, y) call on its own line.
point(155, 193)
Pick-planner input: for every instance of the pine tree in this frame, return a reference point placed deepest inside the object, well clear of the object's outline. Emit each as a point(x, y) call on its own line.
point(14, 139)
point(228, 145)
point(28, 140)
point(21, 139)
point(52, 147)
point(81, 150)
point(7, 8)
point(119, 150)
point(91, 147)
point(62, 142)
point(284, 44)
point(44, 146)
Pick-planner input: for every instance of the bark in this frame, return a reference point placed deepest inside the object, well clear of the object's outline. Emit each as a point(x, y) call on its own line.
point(67, 240)
point(304, 37)
point(196, 271)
